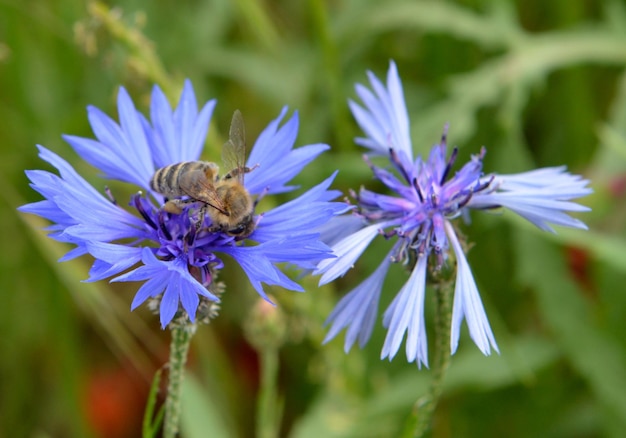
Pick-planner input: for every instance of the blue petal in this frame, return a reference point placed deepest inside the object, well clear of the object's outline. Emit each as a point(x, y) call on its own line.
point(337, 227)
point(406, 314)
point(98, 218)
point(191, 127)
point(389, 204)
point(467, 304)
point(118, 257)
point(358, 309)
point(169, 276)
point(122, 150)
point(66, 171)
point(185, 115)
point(541, 196)
point(273, 142)
point(73, 253)
point(200, 129)
point(556, 179)
point(100, 270)
point(401, 119)
point(138, 153)
point(104, 159)
point(301, 215)
point(377, 139)
point(179, 135)
point(288, 283)
point(256, 266)
point(346, 251)
point(169, 302)
point(539, 210)
point(48, 210)
point(384, 119)
point(278, 161)
point(189, 299)
point(150, 289)
point(162, 132)
point(296, 249)
point(80, 212)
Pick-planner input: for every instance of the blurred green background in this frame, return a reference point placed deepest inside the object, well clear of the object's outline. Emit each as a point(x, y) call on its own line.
point(538, 83)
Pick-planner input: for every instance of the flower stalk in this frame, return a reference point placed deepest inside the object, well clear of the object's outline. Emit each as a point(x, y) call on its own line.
point(266, 331)
point(424, 408)
point(267, 404)
point(181, 339)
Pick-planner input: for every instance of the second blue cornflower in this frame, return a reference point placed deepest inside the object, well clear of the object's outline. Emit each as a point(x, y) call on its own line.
point(425, 196)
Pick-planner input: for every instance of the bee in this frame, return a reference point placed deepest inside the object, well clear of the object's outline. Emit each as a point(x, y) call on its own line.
point(224, 199)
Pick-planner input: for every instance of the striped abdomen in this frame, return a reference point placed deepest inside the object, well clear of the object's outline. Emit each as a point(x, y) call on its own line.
point(167, 180)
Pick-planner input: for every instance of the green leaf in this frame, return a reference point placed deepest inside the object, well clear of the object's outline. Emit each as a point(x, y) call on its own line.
point(608, 248)
point(329, 417)
point(615, 141)
point(521, 359)
point(200, 417)
point(469, 368)
point(149, 427)
point(594, 353)
point(444, 17)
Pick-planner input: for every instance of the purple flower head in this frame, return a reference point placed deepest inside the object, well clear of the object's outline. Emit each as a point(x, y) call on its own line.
point(424, 197)
point(178, 255)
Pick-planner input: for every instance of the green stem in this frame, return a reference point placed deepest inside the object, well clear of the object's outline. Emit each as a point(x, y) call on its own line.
point(267, 403)
point(259, 23)
point(332, 72)
point(424, 408)
point(181, 338)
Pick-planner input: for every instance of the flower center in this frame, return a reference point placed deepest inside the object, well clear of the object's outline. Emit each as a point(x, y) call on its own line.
point(426, 198)
point(179, 236)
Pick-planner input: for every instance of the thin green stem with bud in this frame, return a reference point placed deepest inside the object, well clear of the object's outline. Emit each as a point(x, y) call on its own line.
point(266, 331)
point(267, 403)
point(181, 339)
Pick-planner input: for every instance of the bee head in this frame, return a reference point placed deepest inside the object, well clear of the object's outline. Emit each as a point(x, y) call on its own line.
point(243, 228)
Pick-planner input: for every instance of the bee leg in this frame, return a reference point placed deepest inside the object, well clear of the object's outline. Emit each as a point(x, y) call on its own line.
point(201, 214)
point(175, 206)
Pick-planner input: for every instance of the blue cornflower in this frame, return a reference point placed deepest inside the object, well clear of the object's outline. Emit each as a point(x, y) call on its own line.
point(425, 198)
point(178, 255)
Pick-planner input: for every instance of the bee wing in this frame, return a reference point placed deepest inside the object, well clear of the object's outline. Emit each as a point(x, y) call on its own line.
point(234, 150)
point(196, 185)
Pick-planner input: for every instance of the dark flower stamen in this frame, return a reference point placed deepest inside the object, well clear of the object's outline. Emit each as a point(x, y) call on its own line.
point(451, 161)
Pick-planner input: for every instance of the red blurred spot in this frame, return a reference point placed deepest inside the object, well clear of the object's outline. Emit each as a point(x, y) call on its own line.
point(617, 186)
point(114, 401)
point(579, 266)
